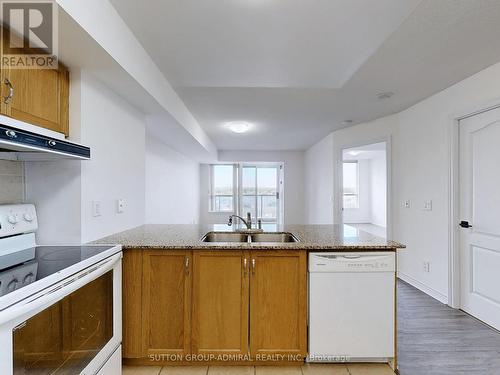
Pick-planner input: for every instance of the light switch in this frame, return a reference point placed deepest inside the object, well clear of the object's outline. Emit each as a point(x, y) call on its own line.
point(96, 208)
point(427, 205)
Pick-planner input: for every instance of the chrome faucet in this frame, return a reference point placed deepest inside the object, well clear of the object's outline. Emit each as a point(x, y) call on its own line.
point(247, 222)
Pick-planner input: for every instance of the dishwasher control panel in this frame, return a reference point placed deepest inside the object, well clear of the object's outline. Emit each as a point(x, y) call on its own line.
point(352, 262)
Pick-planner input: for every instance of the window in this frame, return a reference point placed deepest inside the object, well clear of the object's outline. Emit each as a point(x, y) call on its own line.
point(351, 184)
point(259, 192)
point(222, 188)
point(242, 188)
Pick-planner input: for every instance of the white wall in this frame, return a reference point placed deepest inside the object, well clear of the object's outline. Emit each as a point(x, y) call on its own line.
point(172, 185)
point(158, 184)
point(324, 161)
point(294, 178)
point(63, 191)
point(421, 173)
point(319, 182)
point(362, 214)
point(420, 160)
point(379, 189)
point(372, 189)
point(55, 189)
point(11, 182)
point(115, 132)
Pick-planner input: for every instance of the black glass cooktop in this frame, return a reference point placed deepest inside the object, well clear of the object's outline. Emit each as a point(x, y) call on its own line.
point(27, 266)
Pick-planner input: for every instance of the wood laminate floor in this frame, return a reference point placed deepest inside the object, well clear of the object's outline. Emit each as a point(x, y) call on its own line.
point(434, 339)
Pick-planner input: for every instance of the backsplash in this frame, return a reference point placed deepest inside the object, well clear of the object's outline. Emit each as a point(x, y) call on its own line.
point(11, 182)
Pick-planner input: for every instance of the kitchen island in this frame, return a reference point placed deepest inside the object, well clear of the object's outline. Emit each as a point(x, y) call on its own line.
point(188, 302)
point(311, 237)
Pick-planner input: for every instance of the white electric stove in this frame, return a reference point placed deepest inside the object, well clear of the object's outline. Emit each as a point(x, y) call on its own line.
point(60, 306)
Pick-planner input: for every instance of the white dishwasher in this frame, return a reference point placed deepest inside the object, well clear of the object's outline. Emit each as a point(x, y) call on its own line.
point(351, 307)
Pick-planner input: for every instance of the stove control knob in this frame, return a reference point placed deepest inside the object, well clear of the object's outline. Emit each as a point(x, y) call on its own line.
point(29, 278)
point(13, 219)
point(28, 217)
point(12, 285)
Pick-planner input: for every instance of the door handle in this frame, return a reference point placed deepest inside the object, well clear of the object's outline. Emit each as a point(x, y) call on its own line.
point(245, 266)
point(465, 224)
point(59, 291)
point(7, 99)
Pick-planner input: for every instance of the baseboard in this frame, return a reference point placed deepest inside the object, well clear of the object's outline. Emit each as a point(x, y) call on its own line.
point(424, 288)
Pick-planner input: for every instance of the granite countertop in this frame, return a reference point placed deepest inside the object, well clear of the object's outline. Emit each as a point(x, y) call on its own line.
point(311, 237)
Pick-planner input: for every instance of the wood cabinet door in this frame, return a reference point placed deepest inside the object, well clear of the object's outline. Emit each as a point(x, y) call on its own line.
point(132, 303)
point(220, 302)
point(40, 97)
point(278, 303)
point(166, 302)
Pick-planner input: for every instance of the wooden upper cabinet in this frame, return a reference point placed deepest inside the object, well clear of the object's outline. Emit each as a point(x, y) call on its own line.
point(166, 302)
point(220, 302)
point(39, 96)
point(278, 303)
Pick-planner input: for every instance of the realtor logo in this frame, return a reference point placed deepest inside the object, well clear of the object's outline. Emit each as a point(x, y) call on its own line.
point(29, 34)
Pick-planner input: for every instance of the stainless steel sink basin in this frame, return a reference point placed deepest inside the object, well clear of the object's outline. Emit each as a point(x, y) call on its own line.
point(249, 237)
point(225, 237)
point(279, 237)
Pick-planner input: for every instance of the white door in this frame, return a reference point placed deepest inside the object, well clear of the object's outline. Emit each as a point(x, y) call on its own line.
point(480, 207)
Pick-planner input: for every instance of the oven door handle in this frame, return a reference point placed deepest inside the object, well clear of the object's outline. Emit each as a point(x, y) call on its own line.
point(58, 291)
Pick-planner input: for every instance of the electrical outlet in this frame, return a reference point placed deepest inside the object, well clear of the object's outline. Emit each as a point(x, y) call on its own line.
point(96, 208)
point(120, 206)
point(427, 267)
point(407, 203)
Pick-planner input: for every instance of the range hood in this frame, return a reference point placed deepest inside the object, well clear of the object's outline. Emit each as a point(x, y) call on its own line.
point(22, 141)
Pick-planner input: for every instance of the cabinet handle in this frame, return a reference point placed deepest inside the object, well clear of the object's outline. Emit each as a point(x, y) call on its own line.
point(253, 265)
point(7, 99)
point(245, 266)
point(187, 265)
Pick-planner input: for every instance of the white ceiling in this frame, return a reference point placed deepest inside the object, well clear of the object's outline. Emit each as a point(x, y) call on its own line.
point(296, 69)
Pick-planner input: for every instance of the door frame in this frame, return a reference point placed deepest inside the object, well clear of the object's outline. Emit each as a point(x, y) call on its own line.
point(454, 272)
point(338, 179)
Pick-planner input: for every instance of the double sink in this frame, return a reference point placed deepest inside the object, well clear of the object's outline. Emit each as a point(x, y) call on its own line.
point(243, 237)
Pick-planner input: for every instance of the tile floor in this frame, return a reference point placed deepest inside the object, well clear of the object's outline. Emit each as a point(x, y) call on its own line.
point(349, 369)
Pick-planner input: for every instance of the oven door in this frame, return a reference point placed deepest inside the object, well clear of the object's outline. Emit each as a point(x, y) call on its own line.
point(73, 327)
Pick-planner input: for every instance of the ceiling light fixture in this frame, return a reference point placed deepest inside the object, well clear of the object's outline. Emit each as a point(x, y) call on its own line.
point(346, 122)
point(238, 126)
point(354, 153)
